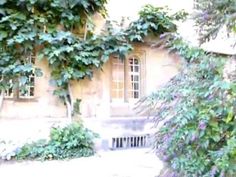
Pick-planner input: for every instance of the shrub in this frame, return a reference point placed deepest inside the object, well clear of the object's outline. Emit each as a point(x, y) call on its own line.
point(71, 141)
point(197, 111)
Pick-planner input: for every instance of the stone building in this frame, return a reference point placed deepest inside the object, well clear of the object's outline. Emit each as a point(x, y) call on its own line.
point(109, 98)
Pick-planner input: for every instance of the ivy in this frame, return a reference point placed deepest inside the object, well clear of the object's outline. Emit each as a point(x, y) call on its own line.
point(62, 33)
point(155, 21)
point(52, 29)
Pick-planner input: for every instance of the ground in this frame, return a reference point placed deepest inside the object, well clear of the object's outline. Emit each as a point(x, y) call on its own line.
point(119, 163)
point(125, 163)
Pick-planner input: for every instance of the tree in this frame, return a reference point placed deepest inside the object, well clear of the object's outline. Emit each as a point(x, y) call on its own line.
point(213, 15)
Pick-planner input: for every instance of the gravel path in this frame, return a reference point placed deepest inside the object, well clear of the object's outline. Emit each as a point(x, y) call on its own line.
point(126, 163)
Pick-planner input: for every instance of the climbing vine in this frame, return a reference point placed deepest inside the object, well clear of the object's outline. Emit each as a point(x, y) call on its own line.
point(62, 33)
point(153, 21)
point(52, 29)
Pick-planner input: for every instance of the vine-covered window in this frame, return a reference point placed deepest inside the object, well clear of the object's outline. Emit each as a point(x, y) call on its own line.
point(26, 91)
point(118, 78)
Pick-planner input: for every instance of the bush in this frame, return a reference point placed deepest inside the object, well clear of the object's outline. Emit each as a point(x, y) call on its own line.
point(197, 109)
point(71, 141)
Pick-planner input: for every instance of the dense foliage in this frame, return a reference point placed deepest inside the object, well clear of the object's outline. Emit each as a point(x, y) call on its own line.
point(71, 141)
point(213, 15)
point(59, 31)
point(152, 20)
point(62, 33)
point(197, 112)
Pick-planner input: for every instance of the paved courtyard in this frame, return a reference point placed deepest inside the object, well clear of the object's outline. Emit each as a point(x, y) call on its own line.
point(119, 163)
point(126, 163)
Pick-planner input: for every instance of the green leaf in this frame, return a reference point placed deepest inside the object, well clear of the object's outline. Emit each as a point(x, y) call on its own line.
point(13, 27)
point(3, 34)
point(20, 16)
point(46, 37)
point(38, 72)
point(27, 67)
point(23, 80)
point(230, 115)
point(2, 2)
point(40, 56)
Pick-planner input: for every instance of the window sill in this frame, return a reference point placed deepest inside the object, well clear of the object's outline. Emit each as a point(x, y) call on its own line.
point(123, 103)
point(22, 99)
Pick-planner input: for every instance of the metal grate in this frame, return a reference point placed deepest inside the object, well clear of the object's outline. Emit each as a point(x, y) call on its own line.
point(130, 142)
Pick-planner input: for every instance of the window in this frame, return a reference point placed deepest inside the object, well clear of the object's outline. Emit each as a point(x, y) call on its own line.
point(126, 78)
point(134, 78)
point(117, 78)
point(28, 90)
point(9, 92)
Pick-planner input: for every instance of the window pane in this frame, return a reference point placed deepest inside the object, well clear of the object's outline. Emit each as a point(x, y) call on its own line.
point(136, 78)
point(136, 86)
point(117, 78)
point(131, 68)
point(121, 94)
point(134, 75)
point(121, 86)
point(23, 92)
point(9, 93)
point(28, 90)
point(114, 85)
point(31, 91)
point(31, 79)
point(120, 76)
point(136, 94)
point(113, 94)
point(131, 61)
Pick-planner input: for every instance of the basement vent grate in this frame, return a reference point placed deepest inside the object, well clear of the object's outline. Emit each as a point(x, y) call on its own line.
point(130, 142)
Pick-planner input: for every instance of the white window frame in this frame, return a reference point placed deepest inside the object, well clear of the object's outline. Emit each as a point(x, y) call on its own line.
point(27, 92)
point(10, 93)
point(141, 74)
point(132, 81)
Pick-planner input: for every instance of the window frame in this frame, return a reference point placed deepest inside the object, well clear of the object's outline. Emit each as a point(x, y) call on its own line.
point(112, 81)
point(16, 94)
point(141, 56)
point(9, 93)
point(133, 73)
point(32, 59)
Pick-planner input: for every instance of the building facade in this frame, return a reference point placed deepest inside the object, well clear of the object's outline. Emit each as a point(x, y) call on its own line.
point(109, 98)
point(112, 92)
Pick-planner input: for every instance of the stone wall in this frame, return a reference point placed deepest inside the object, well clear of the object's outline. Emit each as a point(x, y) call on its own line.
point(95, 93)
